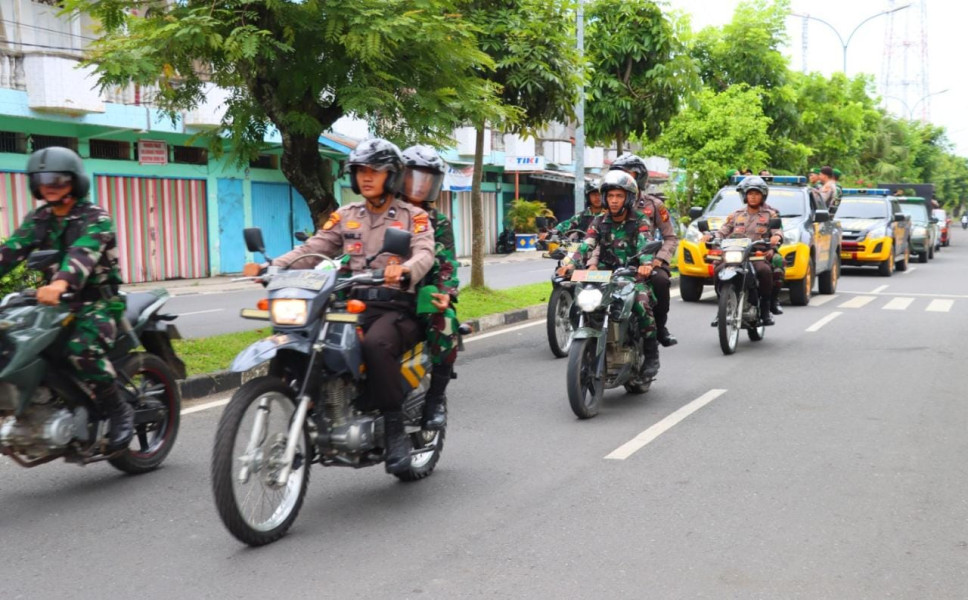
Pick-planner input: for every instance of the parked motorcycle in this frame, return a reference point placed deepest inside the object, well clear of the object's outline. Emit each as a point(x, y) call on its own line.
point(562, 316)
point(46, 413)
point(606, 349)
point(309, 406)
point(506, 243)
point(736, 284)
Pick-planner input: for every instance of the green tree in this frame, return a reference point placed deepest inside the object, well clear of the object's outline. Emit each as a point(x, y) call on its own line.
point(721, 131)
point(410, 67)
point(537, 68)
point(640, 70)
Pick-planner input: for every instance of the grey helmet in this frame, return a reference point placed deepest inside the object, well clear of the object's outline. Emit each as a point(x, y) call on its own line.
point(753, 183)
point(57, 160)
point(381, 155)
point(620, 180)
point(631, 163)
point(424, 172)
point(591, 187)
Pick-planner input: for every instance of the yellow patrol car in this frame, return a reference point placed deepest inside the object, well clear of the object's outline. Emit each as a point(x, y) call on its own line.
point(810, 247)
point(876, 231)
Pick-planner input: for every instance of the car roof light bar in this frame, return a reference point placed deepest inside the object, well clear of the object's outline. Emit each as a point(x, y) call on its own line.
point(798, 180)
point(867, 191)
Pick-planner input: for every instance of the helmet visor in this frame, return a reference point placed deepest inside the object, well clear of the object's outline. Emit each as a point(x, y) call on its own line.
point(51, 179)
point(421, 186)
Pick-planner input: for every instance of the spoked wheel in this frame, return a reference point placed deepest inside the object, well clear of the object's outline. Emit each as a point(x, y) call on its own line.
point(584, 391)
point(729, 320)
point(149, 381)
point(249, 452)
point(560, 328)
point(427, 446)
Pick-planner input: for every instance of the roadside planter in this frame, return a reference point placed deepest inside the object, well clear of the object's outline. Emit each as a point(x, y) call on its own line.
point(526, 241)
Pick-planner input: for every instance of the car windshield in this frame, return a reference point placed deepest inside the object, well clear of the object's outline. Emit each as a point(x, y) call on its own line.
point(917, 211)
point(939, 214)
point(862, 208)
point(788, 201)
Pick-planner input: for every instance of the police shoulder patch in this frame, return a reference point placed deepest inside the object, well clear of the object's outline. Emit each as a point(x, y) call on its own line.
point(664, 213)
point(420, 223)
point(332, 221)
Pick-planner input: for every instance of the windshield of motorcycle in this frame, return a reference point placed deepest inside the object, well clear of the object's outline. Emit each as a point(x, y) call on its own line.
point(313, 281)
point(736, 243)
point(789, 202)
point(859, 208)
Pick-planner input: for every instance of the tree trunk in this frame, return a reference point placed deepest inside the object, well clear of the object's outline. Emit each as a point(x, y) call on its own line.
point(477, 213)
point(310, 173)
point(619, 142)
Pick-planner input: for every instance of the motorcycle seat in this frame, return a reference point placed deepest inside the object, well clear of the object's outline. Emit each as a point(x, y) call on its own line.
point(137, 303)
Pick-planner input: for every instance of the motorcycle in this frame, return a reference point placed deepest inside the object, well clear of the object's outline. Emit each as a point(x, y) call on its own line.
point(606, 349)
point(46, 413)
point(563, 313)
point(506, 243)
point(736, 284)
point(964, 223)
point(309, 406)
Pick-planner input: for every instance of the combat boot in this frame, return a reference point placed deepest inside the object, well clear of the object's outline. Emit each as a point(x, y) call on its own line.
point(435, 406)
point(775, 302)
point(121, 415)
point(397, 443)
point(650, 354)
point(666, 338)
point(765, 317)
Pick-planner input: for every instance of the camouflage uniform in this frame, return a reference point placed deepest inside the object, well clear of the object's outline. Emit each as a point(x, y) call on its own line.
point(442, 327)
point(661, 280)
point(86, 239)
point(610, 245)
point(779, 271)
point(580, 221)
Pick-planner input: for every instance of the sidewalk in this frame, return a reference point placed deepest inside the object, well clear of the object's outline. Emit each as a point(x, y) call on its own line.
point(224, 283)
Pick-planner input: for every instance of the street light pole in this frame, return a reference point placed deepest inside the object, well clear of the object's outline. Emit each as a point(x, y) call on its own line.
point(844, 44)
point(910, 109)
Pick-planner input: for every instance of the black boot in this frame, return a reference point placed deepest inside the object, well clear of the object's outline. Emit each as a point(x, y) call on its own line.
point(122, 417)
point(650, 352)
point(775, 302)
point(765, 317)
point(397, 443)
point(435, 406)
point(666, 338)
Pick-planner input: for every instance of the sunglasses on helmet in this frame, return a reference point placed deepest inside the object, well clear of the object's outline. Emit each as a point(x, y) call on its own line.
point(52, 179)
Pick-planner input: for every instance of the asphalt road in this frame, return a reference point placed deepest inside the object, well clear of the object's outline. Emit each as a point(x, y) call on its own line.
point(833, 465)
point(203, 315)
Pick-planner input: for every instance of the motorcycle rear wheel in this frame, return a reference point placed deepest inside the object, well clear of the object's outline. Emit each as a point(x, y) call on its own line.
point(584, 393)
point(559, 325)
point(730, 316)
point(232, 463)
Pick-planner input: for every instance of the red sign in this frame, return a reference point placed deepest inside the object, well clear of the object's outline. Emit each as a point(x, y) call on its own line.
point(152, 152)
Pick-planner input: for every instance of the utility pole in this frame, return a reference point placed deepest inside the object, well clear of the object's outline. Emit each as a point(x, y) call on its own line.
point(580, 115)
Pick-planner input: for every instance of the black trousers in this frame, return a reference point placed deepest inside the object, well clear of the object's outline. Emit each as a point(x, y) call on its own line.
point(764, 278)
point(660, 286)
point(390, 329)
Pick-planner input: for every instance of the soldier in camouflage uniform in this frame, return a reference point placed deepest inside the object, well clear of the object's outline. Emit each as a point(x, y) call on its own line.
point(423, 177)
point(616, 239)
point(88, 268)
point(662, 225)
point(593, 208)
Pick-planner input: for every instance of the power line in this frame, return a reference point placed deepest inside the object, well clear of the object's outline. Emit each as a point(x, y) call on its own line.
point(39, 28)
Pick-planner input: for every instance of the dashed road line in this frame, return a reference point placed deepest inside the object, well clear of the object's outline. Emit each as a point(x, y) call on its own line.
point(816, 326)
point(940, 306)
point(821, 300)
point(857, 302)
point(649, 435)
point(879, 289)
point(910, 270)
point(199, 312)
point(898, 304)
point(915, 294)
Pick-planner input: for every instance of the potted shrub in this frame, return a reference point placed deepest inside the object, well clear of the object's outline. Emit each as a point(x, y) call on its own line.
point(522, 215)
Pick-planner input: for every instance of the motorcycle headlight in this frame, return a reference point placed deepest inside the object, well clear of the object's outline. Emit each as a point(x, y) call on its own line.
point(877, 232)
point(733, 256)
point(289, 311)
point(791, 236)
point(589, 299)
point(693, 235)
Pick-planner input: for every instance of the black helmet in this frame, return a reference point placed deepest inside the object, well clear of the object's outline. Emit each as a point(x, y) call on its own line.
point(423, 173)
point(590, 188)
point(631, 163)
point(381, 155)
point(753, 183)
point(620, 180)
point(56, 159)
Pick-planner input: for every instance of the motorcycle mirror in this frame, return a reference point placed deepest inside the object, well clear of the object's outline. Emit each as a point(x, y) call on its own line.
point(302, 236)
point(821, 216)
point(39, 260)
point(253, 240)
point(652, 247)
point(695, 212)
point(899, 217)
point(934, 220)
point(777, 223)
point(395, 241)
point(703, 225)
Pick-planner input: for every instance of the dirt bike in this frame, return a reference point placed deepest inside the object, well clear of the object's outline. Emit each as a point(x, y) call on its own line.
point(563, 313)
point(606, 350)
point(46, 413)
point(309, 407)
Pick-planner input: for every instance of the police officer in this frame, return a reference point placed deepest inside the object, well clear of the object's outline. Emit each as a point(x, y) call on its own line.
point(593, 208)
point(615, 239)
point(828, 189)
point(423, 177)
point(88, 268)
point(753, 222)
point(389, 322)
point(658, 214)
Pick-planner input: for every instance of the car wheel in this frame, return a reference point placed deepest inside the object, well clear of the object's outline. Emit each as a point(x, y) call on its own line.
point(690, 288)
point(828, 280)
point(886, 267)
point(800, 291)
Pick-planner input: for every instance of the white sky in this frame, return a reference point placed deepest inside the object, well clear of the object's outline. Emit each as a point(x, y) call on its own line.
point(945, 31)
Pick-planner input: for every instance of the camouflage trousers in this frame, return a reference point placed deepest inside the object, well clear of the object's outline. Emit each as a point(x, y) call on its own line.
point(779, 272)
point(95, 328)
point(442, 330)
point(644, 301)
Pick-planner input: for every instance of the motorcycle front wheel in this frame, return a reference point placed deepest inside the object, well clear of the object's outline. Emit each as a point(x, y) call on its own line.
point(730, 319)
point(559, 325)
point(584, 390)
point(249, 446)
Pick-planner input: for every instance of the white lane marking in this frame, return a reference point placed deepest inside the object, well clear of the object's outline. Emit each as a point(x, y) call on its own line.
point(858, 302)
point(708, 294)
point(199, 312)
point(879, 289)
point(917, 295)
point(821, 300)
point(816, 326)
point(508, 330)
point(898, 304)
point(640, 441)
point(940, 306)
point(206, 406)
point(910, 270)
